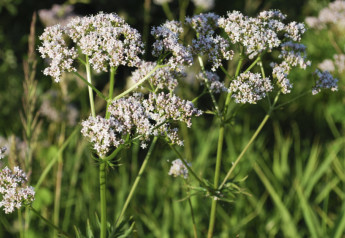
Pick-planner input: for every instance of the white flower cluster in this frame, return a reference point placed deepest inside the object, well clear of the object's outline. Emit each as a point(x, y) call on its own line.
point(105, 38)
point(250, 87)
point(2, 152)
point(333, 14)
point(206, 5)
point(214, 46)
point(54, 48)
point(293, 55)
point(262, 33)
point(168, 41)
point(213, 80)
point(138, 116)
point(338, 64)
point(13, 191)
point(324, 81)
point(162, 78)
point(178, 169)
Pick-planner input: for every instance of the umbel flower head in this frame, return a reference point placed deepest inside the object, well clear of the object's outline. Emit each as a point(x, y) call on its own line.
point(106, 39)
point(13, 191)
point(137, 116)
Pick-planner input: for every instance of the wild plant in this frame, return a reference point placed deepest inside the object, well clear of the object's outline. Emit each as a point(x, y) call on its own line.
point(264, 49)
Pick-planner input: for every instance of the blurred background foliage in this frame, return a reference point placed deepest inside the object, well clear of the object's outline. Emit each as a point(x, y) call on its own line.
point(295, 169)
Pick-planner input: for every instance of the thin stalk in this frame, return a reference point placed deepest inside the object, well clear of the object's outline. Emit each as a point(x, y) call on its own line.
point(258, 130)
point(99, 93)
point(102, 185)
point(141, 81)
point(21, 227)
point(187, 166)
point(111, 89)
point(137, 180)
point(50, 223)
point(253, 64)
point(88, 75)
point(264, 76)
point(219, 156)
point(167, 11)
point(193, 218)
point(55, 158)
point(57, 198)
point(293, 99)
point(263, 122)
point(216, 180)
point(183, 4)
point(208, 85)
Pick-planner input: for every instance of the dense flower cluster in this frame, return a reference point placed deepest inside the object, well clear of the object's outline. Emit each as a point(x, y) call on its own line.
point(250, 87)
point(262, 33)
point(138, 116)
point(324, 81)
point(13, 191)
point(178, 169)
point(54, 47)
point(333, 14)
point(105, 38)
point(168, 41)
point(206, 43)
point(213, 81)
point(165, 77)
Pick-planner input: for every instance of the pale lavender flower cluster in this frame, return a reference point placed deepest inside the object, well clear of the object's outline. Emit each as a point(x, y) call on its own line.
point(338, 64)
point(54, 47)
point(105, 38)
point(138, 116)
point(162, 78)
point(213, 80)
point(333, 14)
point(168, 41)
point(250, 87)
point(324, 81)
point(58, 14)
point(14, 192)
point(178, 169)
point(215, 47)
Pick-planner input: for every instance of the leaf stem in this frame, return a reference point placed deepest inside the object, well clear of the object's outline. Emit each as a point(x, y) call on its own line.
point(89, 79)
point(102, 185)
point(137, 179)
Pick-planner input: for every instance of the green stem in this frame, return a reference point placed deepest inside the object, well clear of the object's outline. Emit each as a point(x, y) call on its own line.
point(21, 227)
point(258, 130)
point(167, 11)
point(137, 84)
point(293, 99)
point(187, 166)
point(56, 157)
point(208, 85)
point(216, 180)
point(219, 155)
point(50, 223)
point(193, 218)
point(99, 93)
point(253, 64)
point(88, 75)
point(102, 185)
point(183, 4)
point(111, 89)
point(136, 182)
